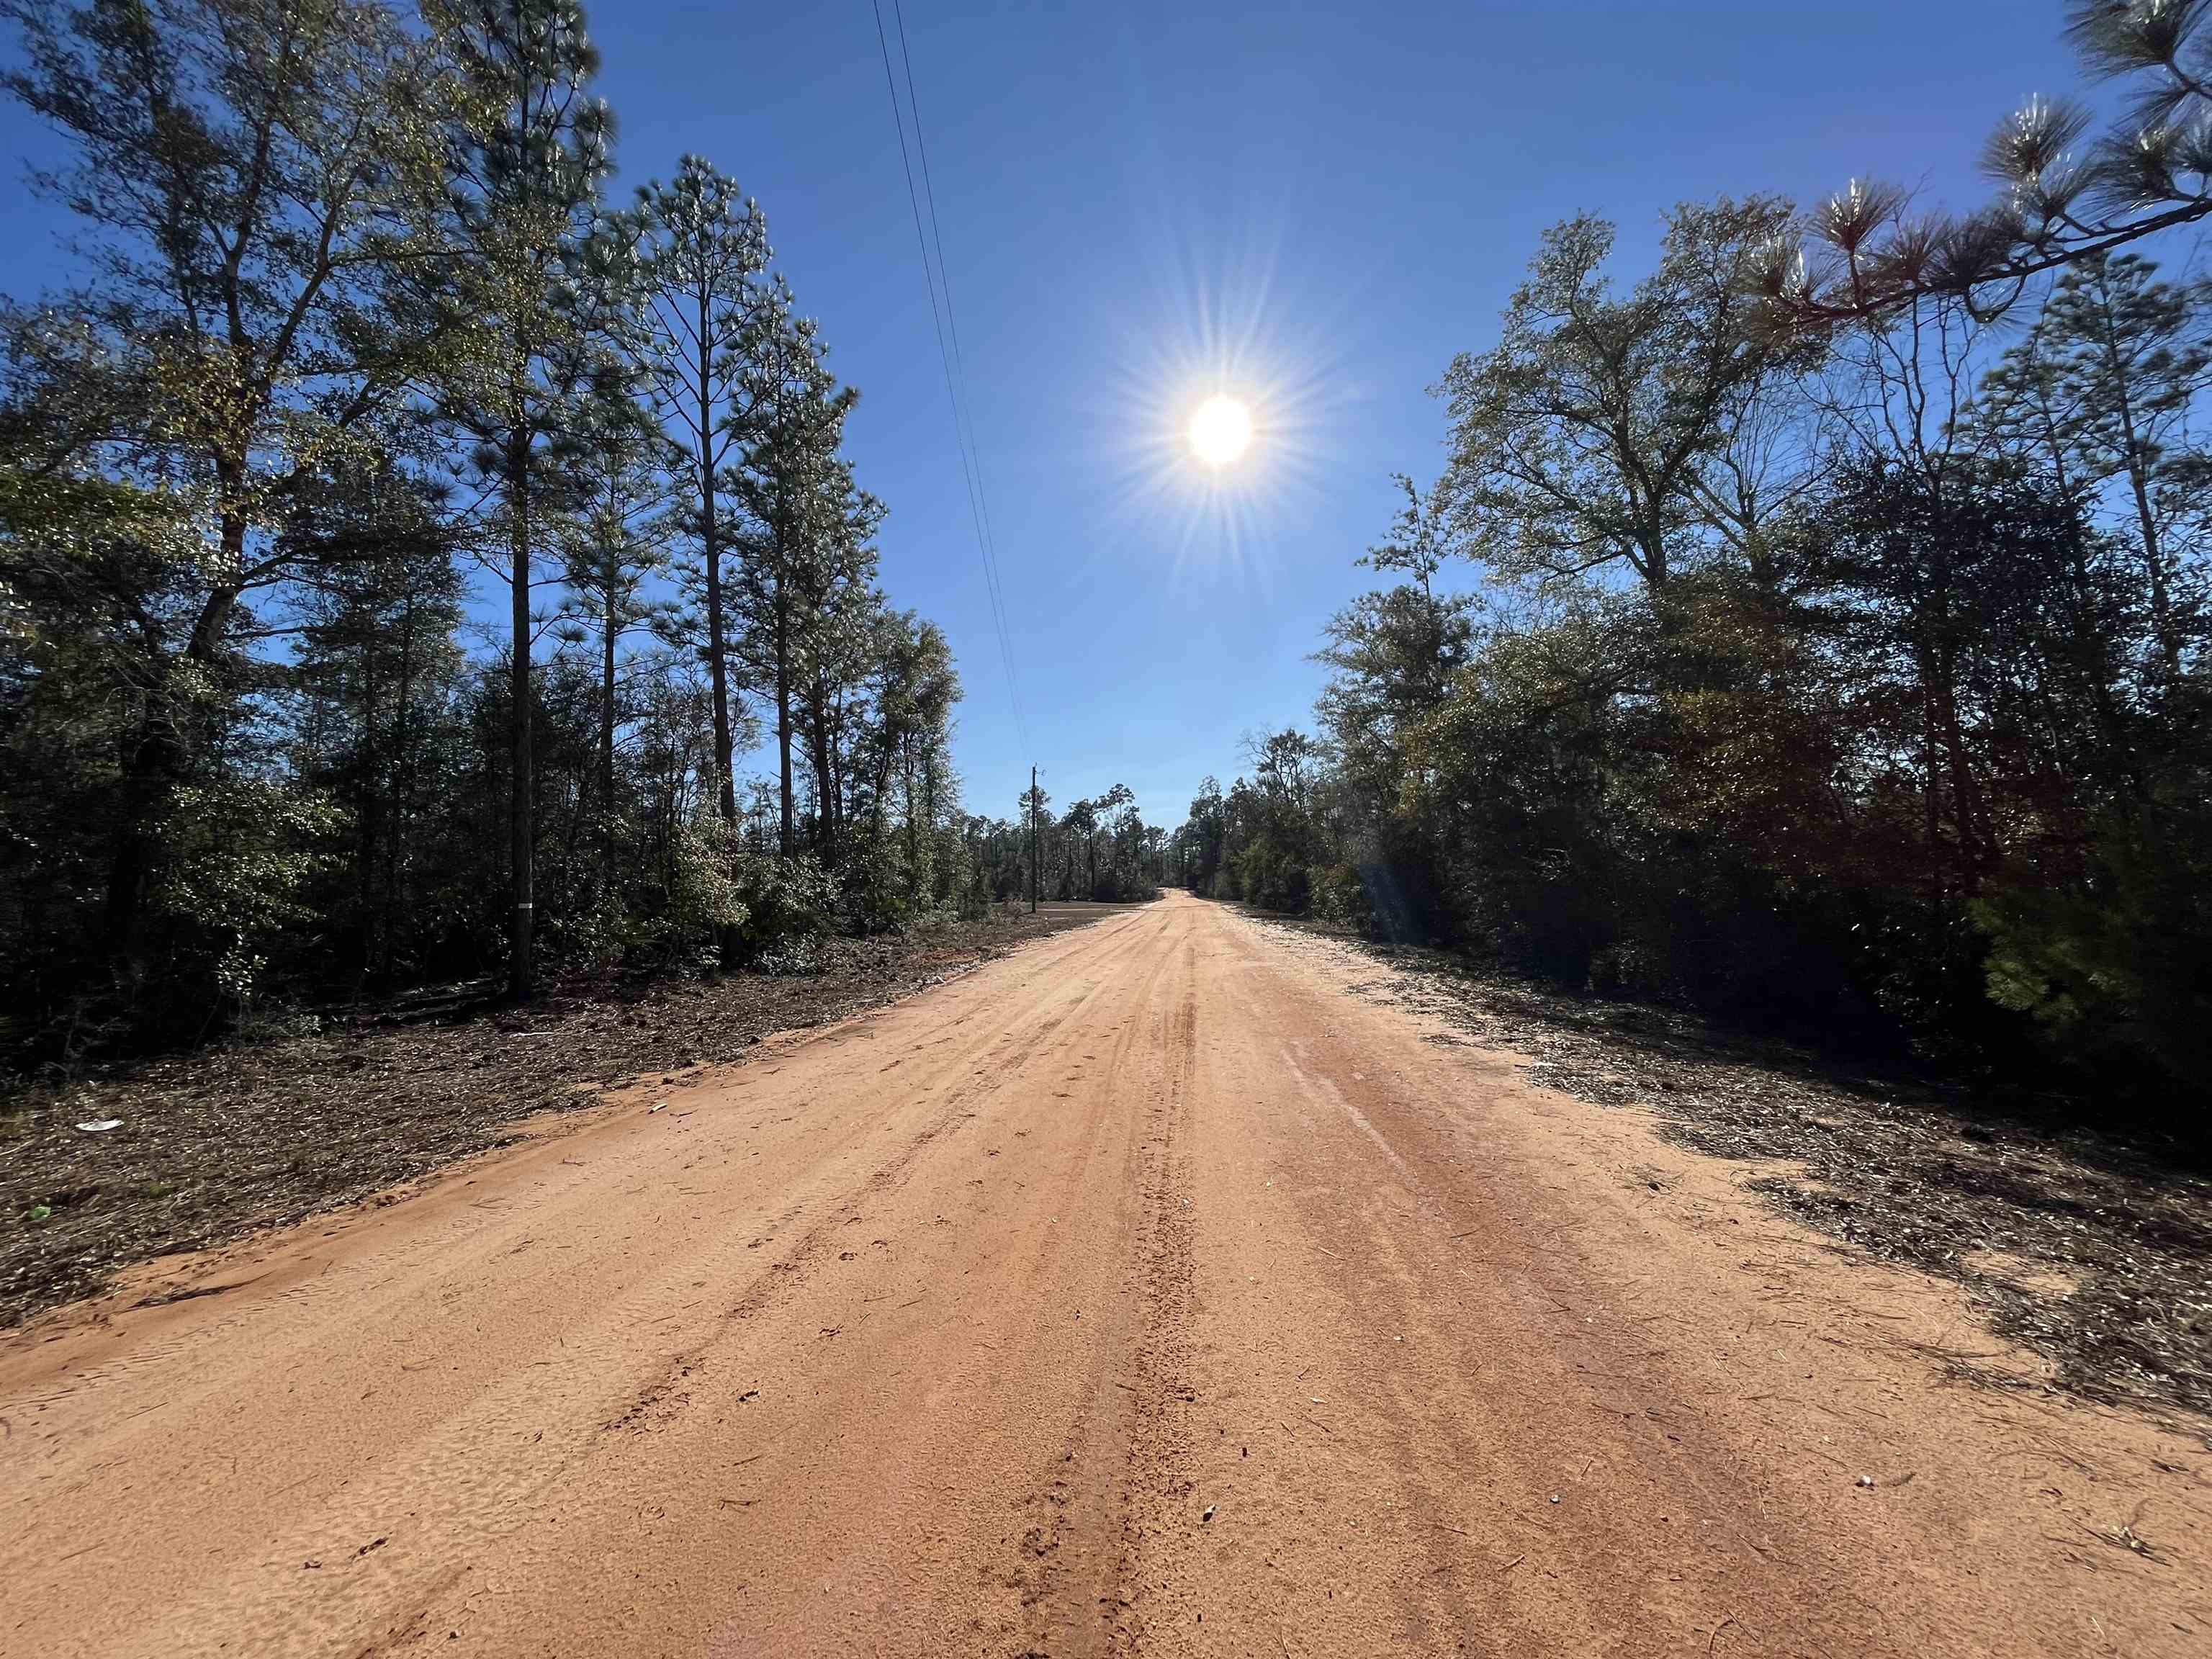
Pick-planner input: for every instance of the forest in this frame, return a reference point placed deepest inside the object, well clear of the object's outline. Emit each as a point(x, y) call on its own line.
point(405, 544)
point(1810, 627)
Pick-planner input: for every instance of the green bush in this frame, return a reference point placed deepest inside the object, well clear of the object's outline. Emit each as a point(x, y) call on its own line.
point(1273, 878)
point(785, 899)
point(2114, 970)
point(1340, 896)
point(729, 903)
point(238, 851)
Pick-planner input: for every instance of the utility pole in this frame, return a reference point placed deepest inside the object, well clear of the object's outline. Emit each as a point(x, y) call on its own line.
point(1033, 841)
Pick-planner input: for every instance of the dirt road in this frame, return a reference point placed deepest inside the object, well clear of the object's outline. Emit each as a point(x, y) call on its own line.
point(1150, 1291)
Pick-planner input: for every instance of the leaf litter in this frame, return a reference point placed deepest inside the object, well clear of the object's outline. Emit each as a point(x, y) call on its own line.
point(2093, 1249)
point(186, 1151)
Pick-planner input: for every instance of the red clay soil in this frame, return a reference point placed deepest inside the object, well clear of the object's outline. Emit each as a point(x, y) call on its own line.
point(249, 1134)
point(1144, 1291)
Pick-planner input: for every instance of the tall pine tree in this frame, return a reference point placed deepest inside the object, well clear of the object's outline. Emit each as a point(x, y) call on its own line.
point(613, 556)
point(699, 247)
point(526, 168)
point(793, 423)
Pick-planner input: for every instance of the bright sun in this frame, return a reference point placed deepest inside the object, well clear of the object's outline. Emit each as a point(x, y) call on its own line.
point(1220, 431)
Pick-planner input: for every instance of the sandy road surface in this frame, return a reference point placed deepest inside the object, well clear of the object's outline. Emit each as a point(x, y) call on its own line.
point(945, 1331)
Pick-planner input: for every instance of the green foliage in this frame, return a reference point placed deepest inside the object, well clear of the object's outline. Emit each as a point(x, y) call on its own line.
point(689, 261)
point(1272, 834)
point(724, 896)
point(706, 895)
point(874, 897)
point(1099, 850)
point(1585, 438)
point(1867, 699)
point(1340, 896)
point(1871, 253)
point(2100, 390)
point(357, 326)
point(1201, 842)
point(1272, 876)
point(2113, 969)
point(785, 899)
point(238, 855)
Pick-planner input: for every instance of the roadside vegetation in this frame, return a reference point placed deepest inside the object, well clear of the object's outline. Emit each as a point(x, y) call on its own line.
point(1100, 850)
point(405, 544)
point(1811, 630)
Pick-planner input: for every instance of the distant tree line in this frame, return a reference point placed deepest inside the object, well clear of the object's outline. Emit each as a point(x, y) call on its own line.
point(1098, 850)
point(354, 336)
point(1840, 659)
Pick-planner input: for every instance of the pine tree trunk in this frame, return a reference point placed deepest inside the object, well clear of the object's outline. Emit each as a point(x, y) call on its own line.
point(523, 846)
point(783, 713)
point(825, 779)
point(607, 747)
point(402, 790)
point(718, 672)
point(371, 810)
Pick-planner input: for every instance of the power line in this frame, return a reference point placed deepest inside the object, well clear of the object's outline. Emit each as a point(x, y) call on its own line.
point(956, 375)
point(966, 404)
point(962, 429)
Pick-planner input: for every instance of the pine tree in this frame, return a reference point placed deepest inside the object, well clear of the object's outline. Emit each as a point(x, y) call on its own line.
point(793, 423)
point(910, 739)
point(2064, 198)
point(2099, 390)
point(840, 639)
point(698, 248)
point(613, 556)
point(526, 167)
point(376, 662)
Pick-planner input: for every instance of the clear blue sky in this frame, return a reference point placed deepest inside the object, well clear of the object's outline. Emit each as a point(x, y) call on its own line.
point(1326, 201)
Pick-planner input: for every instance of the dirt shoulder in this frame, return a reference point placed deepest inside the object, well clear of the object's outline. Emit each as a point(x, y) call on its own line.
point(212, 1143)
point(2094, 1250)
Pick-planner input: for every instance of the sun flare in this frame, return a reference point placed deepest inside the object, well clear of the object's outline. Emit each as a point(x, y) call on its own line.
point(1221, 431)
point(1220, 396)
